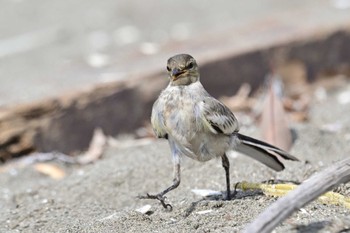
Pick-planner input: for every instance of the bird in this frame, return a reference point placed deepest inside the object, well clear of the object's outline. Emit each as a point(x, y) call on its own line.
point(199, 126)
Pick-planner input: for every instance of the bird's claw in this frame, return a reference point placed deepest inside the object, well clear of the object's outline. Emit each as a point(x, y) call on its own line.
point(160, 198)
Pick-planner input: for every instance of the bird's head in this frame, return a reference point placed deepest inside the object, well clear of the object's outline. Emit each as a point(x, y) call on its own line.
point(182, 69)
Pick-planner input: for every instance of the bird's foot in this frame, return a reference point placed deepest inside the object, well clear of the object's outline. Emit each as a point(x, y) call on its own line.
point(227, 196)
point(230, 195)
point(158, 197)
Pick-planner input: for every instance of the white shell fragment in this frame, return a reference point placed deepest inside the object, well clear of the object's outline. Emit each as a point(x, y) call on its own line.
point(206, 192)
point(144, 209)
point(112, 216)
point(204, 212)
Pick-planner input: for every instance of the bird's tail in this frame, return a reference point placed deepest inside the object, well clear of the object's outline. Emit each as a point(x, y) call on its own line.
point(263, 152)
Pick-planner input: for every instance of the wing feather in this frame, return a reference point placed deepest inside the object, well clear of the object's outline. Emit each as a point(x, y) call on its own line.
point(217, 117)
point(157, 121)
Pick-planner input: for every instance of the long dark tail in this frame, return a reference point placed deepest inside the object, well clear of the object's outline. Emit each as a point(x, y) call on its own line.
point(263, 152)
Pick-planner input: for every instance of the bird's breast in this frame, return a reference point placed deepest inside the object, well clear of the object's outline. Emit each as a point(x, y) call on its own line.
point(180, 114)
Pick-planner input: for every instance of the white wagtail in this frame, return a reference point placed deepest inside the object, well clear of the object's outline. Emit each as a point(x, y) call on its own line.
point(200, 127)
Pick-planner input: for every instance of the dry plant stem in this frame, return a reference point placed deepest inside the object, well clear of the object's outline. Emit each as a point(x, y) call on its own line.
point(279, 190)
point(35, 158)
point(96, 149)
point(305, 193)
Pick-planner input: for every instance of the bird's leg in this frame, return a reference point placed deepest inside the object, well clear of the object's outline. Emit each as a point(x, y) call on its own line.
point(226, 165)
point(160, 196)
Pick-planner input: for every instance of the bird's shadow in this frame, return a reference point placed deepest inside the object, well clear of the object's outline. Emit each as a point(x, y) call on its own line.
point(236, 194)
point(314, 227)
point(279, 181)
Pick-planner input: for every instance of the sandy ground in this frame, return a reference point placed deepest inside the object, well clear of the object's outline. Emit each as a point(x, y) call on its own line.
point(101, 197)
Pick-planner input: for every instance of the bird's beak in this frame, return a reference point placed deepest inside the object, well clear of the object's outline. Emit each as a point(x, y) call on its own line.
point(176, 73)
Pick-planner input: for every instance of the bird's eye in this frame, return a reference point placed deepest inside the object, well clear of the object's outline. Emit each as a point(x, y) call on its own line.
point(190, 65)
point(168, 68)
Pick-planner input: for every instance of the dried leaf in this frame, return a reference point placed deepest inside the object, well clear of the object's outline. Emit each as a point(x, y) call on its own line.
point(145, 132)
point(241, 100)
point(50, 170)
point(293, 74)
point(34, 158)
point(96, 149)
point(331, 83)
point(298, 116)
point(274, 122)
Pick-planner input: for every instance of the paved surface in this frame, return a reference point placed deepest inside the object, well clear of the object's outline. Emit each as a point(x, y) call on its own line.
point(48, 47)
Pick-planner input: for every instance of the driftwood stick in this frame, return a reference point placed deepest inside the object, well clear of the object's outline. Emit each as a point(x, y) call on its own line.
point(308, 191)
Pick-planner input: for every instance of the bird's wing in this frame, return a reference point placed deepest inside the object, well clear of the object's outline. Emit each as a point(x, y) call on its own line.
point(217, 117)
point(157, 121)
